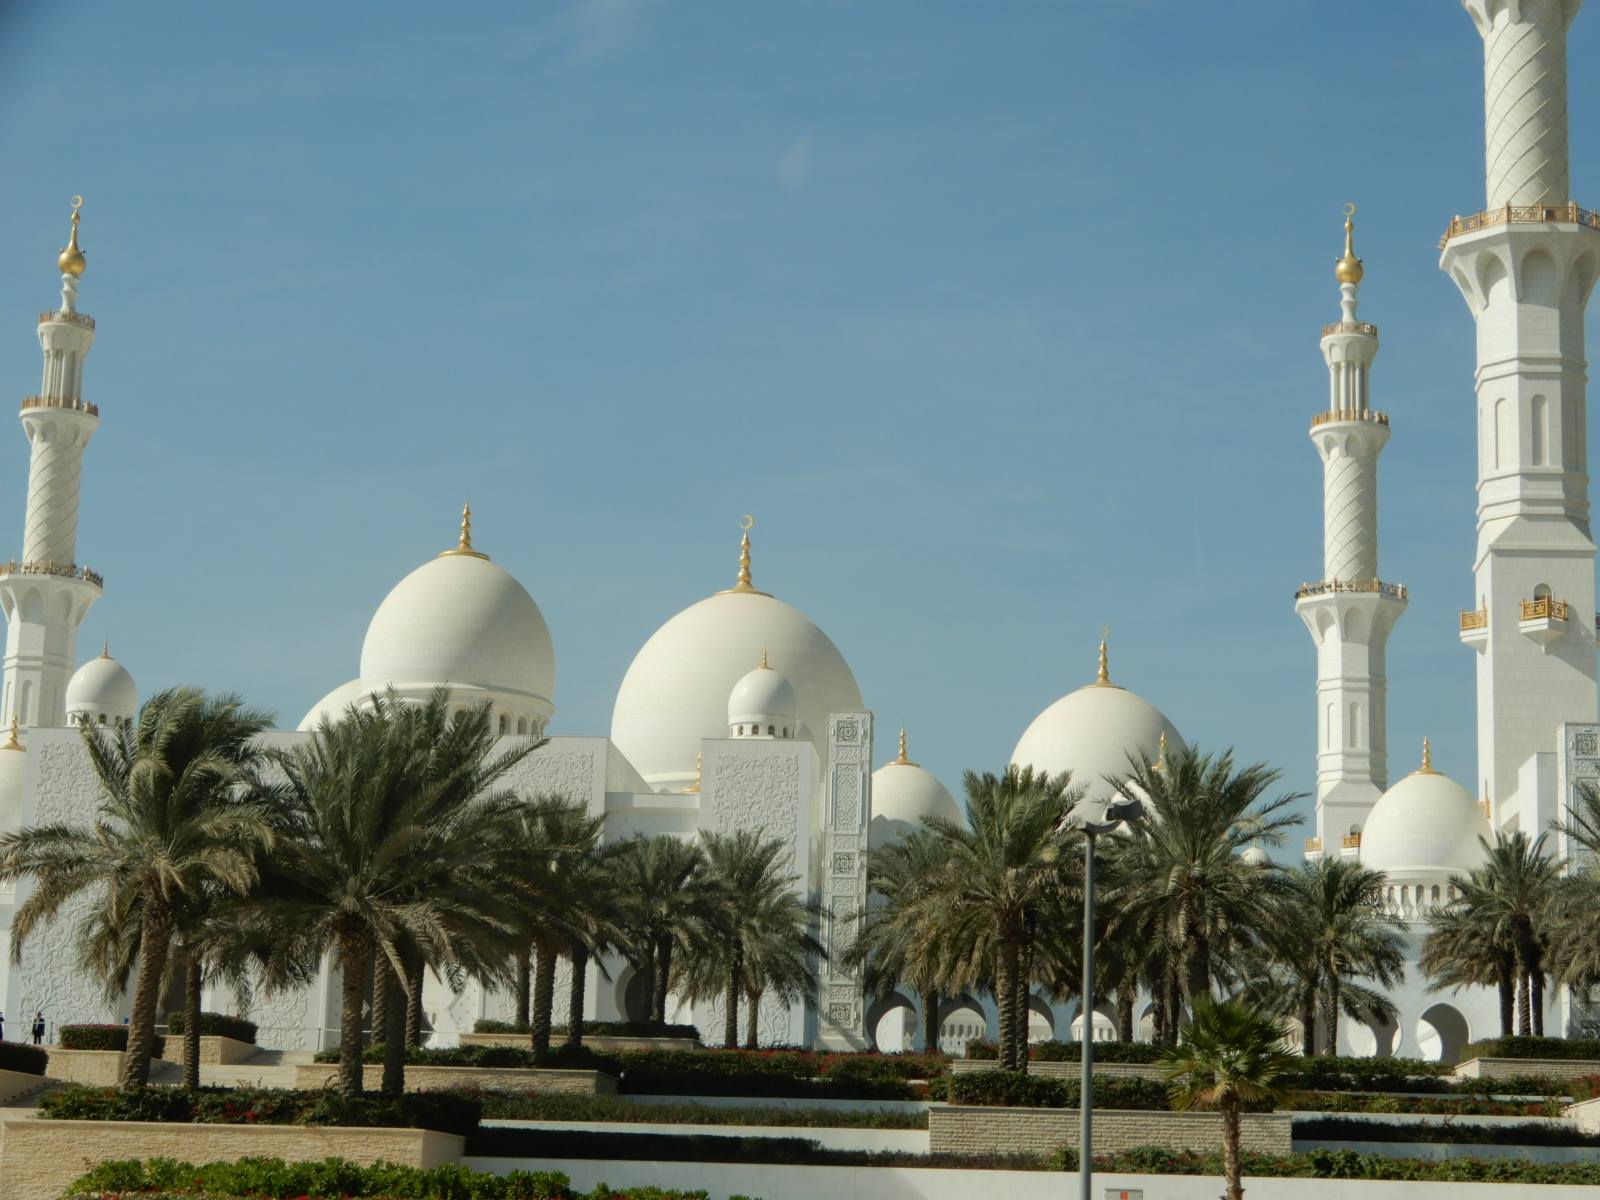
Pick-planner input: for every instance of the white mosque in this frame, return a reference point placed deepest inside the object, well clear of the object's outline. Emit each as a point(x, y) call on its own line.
point(741, 713)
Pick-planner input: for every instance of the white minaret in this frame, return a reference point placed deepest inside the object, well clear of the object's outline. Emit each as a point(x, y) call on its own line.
point(1349, 611)
point(1526, 265)
point(46, 594)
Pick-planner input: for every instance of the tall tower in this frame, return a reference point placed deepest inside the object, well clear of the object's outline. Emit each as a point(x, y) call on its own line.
point(1350, 611)
point(46, 594)
point(1526, 265)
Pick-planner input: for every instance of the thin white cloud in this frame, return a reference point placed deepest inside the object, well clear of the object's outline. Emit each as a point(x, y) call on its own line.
point(794, 168)
point(601, 27)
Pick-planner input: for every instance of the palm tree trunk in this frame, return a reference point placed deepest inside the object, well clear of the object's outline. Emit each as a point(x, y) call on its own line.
point(1331, 1033)
point(1507, 986)
point(154, 938)
point(930, 1021)
point(752, 1018)
point(1174, 1008)
point(393, 1030)
point(1230, 1149)
point(1005, 984)
point(1196, 979)
point(524, 989)
point(352, 970)
point(730, 1019)
point(191, 1023)
point(1308, 1020)
point(380, 1000)
point(576, 994)
point(414, 971)
point(1537, 978)
point(1524, 1020)
point(544, 995)
point(1126, 998)
point(663, 979)
point(1022, 995)
point(1158, 1016)
point(645, 969)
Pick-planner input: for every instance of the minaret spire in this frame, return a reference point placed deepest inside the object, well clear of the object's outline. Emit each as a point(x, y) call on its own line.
point(41, 638)
point(1350, 611)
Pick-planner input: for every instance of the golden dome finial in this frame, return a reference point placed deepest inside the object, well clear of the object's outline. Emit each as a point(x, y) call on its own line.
point(694, 788)
point(902, 760)
point(1103, 677)
point(1349, 268)
point(1161, 754)
point(464, 546)
point(1427, 760)
point(105, 648)
point(72, 260)
point(13, 744)
point(743, 582)
point(765, 665)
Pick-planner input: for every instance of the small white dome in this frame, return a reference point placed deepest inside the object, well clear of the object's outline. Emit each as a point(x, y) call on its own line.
point(1255, 856)
point(13, 780)
point(764, 698)
point(462, 620)
point(675, 693)
point(903, 793)
point(1092, 732)
point(1425, 825)
point(103, 691)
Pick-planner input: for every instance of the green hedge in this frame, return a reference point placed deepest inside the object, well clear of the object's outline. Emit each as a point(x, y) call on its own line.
point(274, 1179)
point(216, 1025)
point(1459, 1105)
point(794, 1073)
point(25, 1059)
point(599, 1028)
point(1533, 1047)
point(1337, 1164)
point(445, 1112)
point(102, 1037)
point(1012, 1089)
point(520, 1057)
point(1054, 1051)
point(1354, 1129)
point(543, 1106)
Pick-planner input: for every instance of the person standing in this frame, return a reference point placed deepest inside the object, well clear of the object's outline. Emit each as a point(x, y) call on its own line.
point(38, 1028)
point(2, 1027)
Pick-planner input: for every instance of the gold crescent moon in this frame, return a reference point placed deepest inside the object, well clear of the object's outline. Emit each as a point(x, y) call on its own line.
point(1349, 210)
point(1105, 631)
point(77, 203)
point(747, 522)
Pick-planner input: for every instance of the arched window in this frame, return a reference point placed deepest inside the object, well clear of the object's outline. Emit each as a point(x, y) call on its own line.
point(741, 731)
point(1541, 591)
point(771, 731)
point(1434, 895)
point(522, 725)
point(785, 731)
point(102, 718)
point(505, 724)
point(1537, 422)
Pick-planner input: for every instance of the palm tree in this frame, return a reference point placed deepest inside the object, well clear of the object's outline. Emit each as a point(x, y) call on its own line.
point(1463, 948)
point(391, 823)
point(1005, 884)
point(896, 940)
point(1574, 950)
point(778, 953)
point(748, 928)
point(663, 892)
point(170, 827)
point(1179, 878)
point(1228, 1057)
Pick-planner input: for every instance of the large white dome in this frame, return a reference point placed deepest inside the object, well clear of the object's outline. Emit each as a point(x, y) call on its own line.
point(676, 691)
point(903, 793)
point(13, 778)
point(1092, 732)
point(462, 620)
point(102, 690)
point(1425, 825)
point(333, 705)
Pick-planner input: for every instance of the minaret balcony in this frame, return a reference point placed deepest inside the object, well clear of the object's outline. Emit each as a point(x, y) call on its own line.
point(1543, 619)
point(1475, 627)
point(1328, 587)
point(1330, 415)
point(60, 570)
point(1313, 847)
point(63, 402)
point(1350, 327)
point(71, 318)
point(1520, 214)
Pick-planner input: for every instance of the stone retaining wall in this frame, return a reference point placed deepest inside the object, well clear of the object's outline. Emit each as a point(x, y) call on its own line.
point(98, 1068)
point(1065, 1070)
point(1504, 1068)
point(595, 1041)
point(16, 1084)
point(214, 1050)
point(969, 1129)
point(38, 1159)
point(1585, 1115)
point(427, 1079)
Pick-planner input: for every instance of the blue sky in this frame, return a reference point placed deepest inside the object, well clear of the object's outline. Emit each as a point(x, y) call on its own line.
point(1002, 319)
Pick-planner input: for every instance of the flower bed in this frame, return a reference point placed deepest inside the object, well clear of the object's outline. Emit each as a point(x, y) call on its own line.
point(101, 1037)
point(216, 1025)
point(1011, 1089)
point(274, 1179)
point(797, 1073)
point(638, 1029)
point(443, 1112)
point(1354, 1129)
point(1460, 1106)
point(539, 1106)
point(519, 1057)
point(1338, 1164)
point(1533, 1047)
point(25, 1060)
point(1054, 1051)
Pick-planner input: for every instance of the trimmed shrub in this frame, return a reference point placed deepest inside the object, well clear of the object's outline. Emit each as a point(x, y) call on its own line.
point(1055, 1051)
point(1533, 1047)
point(1354, 1129)
point(544, 1106)
point(102, 1037)
point(216, 1025)
point(1449, 1105)
point(25, 1059)
point(1012, 1089)
point(445, 1112)
point(1337, 1164)
point(795, 1073)
point(598, 1028)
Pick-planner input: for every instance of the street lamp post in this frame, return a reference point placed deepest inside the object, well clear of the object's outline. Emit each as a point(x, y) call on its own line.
point(1092, 820)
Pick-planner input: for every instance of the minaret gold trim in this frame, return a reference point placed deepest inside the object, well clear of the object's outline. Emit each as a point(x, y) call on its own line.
point(1161, 754)
point(693, 789)
point(1349, 268)
point(1103, 676)
point(105, 648)
point(742, 584)
point(13, 744)
point(1427, 759)
point(464, 546)
point(765, 665)
point(902, 760)
point(72, 259)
